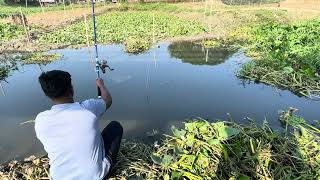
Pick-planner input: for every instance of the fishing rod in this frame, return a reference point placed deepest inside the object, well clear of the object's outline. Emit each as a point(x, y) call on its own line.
point(103, 63)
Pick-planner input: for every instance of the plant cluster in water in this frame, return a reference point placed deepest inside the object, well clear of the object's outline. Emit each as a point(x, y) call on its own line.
point(40, 58)
point(134, 29)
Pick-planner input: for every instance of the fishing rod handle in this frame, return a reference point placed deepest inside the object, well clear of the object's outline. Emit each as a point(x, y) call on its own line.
point(99, 92)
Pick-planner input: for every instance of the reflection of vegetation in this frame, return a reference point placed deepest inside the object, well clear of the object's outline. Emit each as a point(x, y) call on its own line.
point(196, 54)
point(9, 62)
point(4, 72)
point(40, 58)
point(220, 150)
point(6, 65)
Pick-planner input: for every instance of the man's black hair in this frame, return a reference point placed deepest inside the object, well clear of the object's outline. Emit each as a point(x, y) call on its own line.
point(55, 84)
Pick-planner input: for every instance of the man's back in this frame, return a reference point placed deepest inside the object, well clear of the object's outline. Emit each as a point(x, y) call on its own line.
point(70, 135)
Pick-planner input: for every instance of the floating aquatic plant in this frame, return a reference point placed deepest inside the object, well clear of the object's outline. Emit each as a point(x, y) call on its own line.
point(204, 150)
point(40, 58)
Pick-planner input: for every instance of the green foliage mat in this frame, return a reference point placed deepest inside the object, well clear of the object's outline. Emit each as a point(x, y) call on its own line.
point(9, 32)
point(134, 29)
point(287, 55)
point(204, 150)
point(40, 58)
point(226, 150)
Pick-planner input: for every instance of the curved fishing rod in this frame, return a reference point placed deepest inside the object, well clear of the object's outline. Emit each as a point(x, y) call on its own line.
point(99, 64)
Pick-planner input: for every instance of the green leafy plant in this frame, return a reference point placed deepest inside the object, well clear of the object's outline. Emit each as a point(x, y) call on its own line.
point(9, 32)
point(287, 55)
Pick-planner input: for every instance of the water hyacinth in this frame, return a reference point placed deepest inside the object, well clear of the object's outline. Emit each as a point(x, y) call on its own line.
point(218, 150)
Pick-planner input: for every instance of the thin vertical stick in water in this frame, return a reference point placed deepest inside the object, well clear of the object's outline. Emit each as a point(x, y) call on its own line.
point(25, 26)
point(154, 41)
point(87, 38)
point(148, 84)
point(207, 55)
point(153, 29)
point(2, 90)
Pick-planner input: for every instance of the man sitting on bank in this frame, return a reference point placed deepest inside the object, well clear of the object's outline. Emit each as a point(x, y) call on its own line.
point(70, 133)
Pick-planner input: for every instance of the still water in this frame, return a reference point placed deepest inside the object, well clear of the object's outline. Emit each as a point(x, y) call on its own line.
point(151, 91)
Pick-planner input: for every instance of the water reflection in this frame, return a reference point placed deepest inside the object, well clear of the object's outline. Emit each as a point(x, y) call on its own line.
point(196, 54)
point(7, 63)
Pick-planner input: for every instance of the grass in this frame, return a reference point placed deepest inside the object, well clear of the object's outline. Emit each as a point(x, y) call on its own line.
point(218, 150)
point(134, 29)
point(286, 55)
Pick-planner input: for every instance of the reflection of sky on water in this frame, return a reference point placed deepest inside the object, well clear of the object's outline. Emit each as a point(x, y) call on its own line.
point(146, 95)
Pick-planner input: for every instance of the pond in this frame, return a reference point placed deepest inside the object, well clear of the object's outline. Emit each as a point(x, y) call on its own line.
point(151, 91)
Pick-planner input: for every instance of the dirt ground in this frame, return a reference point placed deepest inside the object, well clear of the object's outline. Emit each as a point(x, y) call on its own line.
point(297, 9)
point(58, 18)
point(225, 18)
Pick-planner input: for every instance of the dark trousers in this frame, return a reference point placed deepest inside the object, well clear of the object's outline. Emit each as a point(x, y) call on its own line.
point(112, 135)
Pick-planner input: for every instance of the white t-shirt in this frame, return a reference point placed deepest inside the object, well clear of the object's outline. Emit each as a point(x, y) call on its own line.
point(70, 135)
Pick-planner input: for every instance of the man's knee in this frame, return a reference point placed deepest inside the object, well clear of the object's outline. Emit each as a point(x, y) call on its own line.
point(116, 126)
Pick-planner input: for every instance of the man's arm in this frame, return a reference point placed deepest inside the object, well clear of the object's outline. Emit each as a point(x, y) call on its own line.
point(105, 95)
